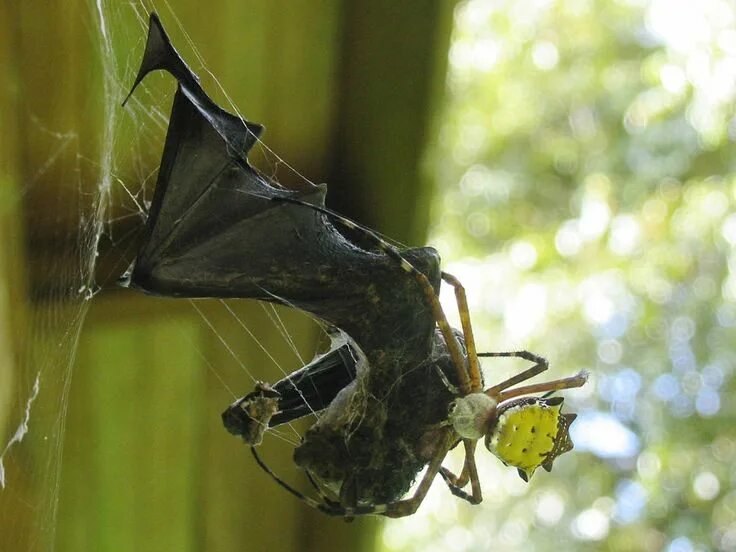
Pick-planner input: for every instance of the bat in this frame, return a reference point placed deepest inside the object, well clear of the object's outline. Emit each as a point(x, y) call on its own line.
point(401, 388)
point(213, 230)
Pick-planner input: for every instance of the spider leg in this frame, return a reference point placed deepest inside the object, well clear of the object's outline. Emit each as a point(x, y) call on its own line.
point(577, 380)
point(429, 292)
point(540, 365)
point(349, 495)
point(452, 388)
point(476, 383)
point(396, 509)
point(470, 472)
point(408, 506)
point(451, 479)
point(322, 507)
point(462, 479)
point(477, 494)
point(323, 497)
point(455, 489)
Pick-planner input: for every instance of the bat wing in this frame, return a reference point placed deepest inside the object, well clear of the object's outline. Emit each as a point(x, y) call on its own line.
point(308, 390)
point(215, 230)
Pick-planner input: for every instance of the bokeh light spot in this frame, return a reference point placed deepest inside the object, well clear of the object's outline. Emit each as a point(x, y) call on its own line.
point(591, 525)
point(706, 485)
point(603, 435)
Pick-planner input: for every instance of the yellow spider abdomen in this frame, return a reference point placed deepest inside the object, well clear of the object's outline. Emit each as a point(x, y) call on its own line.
point(525, 434)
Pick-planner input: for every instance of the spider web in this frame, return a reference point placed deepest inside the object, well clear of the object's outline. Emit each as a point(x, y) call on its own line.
point(99, 188)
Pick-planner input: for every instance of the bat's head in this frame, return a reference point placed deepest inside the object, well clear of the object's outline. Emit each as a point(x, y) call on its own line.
point(249, 416)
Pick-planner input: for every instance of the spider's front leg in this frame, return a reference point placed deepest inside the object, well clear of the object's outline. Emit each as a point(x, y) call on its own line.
point(540, 365)
point(499, 391)
point(476, 383)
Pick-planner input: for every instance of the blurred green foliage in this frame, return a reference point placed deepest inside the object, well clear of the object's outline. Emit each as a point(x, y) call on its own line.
point(587, 192)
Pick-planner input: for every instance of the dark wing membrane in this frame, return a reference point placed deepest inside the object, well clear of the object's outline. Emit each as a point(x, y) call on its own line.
point(308, 390)
point(313, 387)
point(215, 230)
point(160, 54)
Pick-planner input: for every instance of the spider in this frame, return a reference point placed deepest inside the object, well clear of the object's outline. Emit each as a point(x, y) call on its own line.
point(523, 431)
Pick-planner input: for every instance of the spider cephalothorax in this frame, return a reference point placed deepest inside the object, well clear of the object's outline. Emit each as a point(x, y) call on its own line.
point(530, 432)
